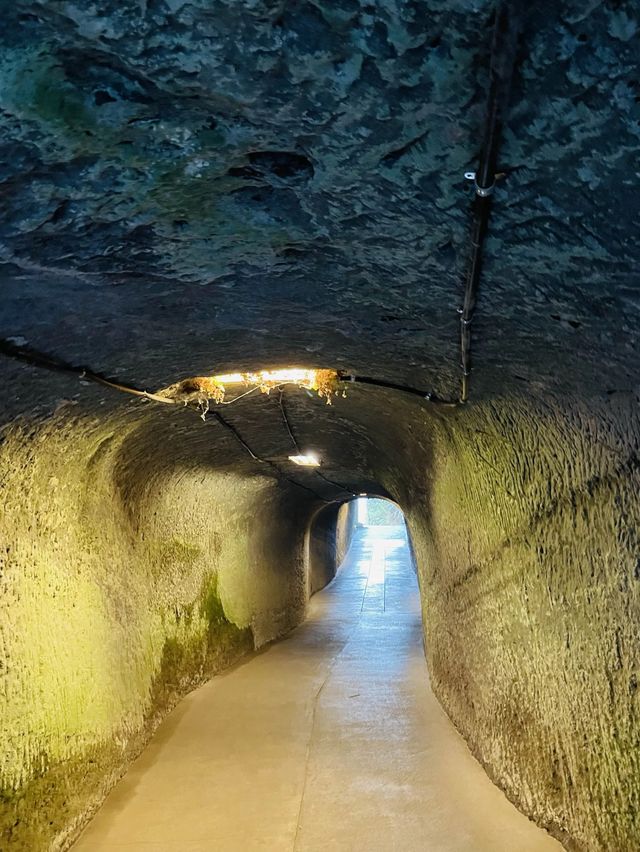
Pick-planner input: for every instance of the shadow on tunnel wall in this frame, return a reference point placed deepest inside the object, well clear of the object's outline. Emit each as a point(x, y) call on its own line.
point(329, 537)
point(141, 558)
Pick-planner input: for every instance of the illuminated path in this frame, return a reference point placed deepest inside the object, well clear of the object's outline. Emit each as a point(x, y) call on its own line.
point(329, 740)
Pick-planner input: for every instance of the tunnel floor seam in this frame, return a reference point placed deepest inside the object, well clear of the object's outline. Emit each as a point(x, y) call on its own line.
point(314, 712)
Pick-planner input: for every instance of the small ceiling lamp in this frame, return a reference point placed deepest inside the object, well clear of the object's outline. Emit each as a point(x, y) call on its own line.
point(306, 460)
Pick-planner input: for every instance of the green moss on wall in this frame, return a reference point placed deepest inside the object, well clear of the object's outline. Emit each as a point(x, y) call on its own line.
point(528, 555)
point(118, 588)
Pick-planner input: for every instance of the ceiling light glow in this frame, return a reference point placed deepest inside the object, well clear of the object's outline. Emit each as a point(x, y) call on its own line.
point(306, 460)
point(324, 382)
point(200, 389)
point(272, 378)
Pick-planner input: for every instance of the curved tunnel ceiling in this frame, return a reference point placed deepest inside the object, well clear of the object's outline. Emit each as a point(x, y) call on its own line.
point(191, 189)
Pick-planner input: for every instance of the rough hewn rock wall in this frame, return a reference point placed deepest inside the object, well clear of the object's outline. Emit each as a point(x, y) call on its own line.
point(217, 185)
point(346, 528)
point(132, 567)
point(125, 580)
point(528, 552)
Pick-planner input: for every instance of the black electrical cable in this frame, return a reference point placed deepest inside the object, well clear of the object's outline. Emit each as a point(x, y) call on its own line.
point(429, 396)
point(236, 434)
point(285, 419)
point(223, 422)
point(295, 443)
point(35, 358)
point(336, 484)
point(506, 31)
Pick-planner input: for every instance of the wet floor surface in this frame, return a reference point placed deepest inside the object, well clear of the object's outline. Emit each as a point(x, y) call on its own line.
point(329, 740)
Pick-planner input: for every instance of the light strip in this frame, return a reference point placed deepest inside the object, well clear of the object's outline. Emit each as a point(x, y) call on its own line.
point(264, 377)
point(306, 460)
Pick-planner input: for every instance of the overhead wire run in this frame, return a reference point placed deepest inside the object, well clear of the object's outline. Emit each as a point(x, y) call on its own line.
point(285, 419)
point(49, 362)
point(295, 443)
point(231, 428)
point(236, 434)
point(428, 396)
point(336, 484)
point(33, 357)
point(507, 29)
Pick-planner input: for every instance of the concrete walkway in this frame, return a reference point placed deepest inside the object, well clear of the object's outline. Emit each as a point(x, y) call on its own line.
point(329, 740)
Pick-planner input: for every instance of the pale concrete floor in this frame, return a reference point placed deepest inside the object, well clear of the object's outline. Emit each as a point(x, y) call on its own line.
point(329, 740)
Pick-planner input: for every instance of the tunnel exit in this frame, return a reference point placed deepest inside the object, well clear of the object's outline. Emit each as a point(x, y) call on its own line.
point(373, 511)
point(382, 544)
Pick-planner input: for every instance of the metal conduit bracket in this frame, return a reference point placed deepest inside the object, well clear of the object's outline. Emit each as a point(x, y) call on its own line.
point(484, 191)
point(507, 29)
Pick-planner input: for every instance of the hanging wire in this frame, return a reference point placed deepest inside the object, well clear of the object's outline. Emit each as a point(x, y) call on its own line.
point(241, 396)
point(295, 443)
point(236, 434)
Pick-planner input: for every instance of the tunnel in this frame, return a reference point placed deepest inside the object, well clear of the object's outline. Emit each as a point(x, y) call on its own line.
point(259, 260)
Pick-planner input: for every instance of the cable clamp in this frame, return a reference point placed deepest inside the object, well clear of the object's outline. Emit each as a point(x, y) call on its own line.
point(482, 191)
point(343, 376)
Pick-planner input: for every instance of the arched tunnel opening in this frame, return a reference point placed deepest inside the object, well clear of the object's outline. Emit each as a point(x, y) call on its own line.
point(375, 524)
point(258, 262)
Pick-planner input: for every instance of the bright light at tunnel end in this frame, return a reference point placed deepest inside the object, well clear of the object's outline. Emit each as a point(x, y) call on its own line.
point(306, 460)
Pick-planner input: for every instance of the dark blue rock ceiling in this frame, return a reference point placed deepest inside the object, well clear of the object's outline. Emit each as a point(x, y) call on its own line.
point(189, 186)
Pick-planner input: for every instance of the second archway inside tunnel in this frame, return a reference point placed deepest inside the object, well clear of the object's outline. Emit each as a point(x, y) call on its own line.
point(372, 532)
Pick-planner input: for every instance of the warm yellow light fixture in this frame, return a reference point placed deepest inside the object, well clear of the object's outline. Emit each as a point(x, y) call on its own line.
point(306, 460)
point(324, 382)
point(306, 378)
point(200, 389)
point(230, 379)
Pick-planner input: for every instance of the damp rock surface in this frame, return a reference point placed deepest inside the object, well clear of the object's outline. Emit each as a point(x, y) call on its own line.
point(192, 188)
point(274, 180)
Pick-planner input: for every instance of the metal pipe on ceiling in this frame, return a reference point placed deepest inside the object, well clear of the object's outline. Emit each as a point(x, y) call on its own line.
point(508, 25)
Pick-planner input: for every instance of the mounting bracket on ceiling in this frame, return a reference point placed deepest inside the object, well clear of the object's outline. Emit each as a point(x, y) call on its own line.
point(507, 29)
